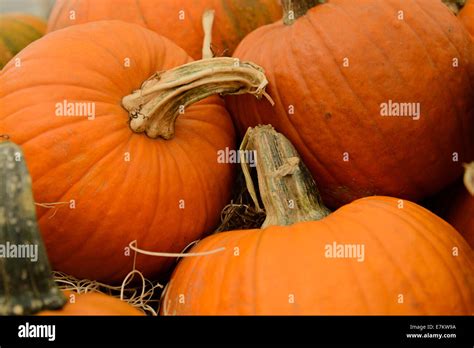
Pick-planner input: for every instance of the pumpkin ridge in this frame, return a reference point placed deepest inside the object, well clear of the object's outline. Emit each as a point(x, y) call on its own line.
point(212, 245)
point(445, 241)
point(435, 67)
point(470, 77)
point(41, 216)
point(433, 20)
point(433, 141)
point(360, 169)
point(391, 258)
point(351, 268)
point(295, 133)
point(373, 187)
point(199, 174)
point(259, 241)
point(69, 123)
point(69, 85)
point(418, 227)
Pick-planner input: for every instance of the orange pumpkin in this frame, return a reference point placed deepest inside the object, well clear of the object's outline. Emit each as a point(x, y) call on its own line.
point(375, 256)
point(18, 30)
point(337, 70)
point(111, 185)
point(27, 286)
point(467, 16)
point(178, 20)
point(92, 303)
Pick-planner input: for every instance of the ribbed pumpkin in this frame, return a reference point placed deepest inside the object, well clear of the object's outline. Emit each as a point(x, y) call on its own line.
point(337, 69)
point(413, 262)
point(26, 286)
point(178, 20)
point(18, 30)
point(467, 16)
point(111, 185)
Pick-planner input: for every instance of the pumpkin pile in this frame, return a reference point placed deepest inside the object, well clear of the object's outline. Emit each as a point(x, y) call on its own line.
point(143, 125)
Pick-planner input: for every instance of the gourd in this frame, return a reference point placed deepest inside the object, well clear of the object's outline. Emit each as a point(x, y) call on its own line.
point(374, 256)
point(115, 146)
point(336, 69)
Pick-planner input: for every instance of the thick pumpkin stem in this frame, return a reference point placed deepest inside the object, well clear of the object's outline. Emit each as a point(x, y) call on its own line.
point(287, 190)
point(153, 108)
point(26, 283)
point(294, 9)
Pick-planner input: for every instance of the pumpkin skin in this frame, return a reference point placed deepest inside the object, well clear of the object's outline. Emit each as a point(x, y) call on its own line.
point(337, 109)
point(233, 18)
point(408, 251)
point(467, 16)
point(18, 30)
point(72, 158)
point(93, 303)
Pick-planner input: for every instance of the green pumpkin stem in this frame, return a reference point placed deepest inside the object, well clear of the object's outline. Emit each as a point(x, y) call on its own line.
point(294, 9)
point(26, 284)
point(287, 189)
point(153, 108)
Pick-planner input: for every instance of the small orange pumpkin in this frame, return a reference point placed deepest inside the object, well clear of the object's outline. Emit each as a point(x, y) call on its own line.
point(374, 256)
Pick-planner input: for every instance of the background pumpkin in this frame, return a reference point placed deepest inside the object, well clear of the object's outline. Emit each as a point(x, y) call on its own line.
point(409, 267)
point(455, 204)
point(467, 16)
point(166, 195)
point(332, 112)
point(18, 30)
point(27, 286)
point(178, 20)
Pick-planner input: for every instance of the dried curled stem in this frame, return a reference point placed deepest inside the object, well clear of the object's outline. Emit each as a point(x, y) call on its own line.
point(153, 108)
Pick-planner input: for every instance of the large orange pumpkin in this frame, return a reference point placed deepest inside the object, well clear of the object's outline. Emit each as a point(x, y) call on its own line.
point(18, 30)
point(467, 16)
point(335, 73)
point(178, 20)
point(109, 184)
point(377, 255)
